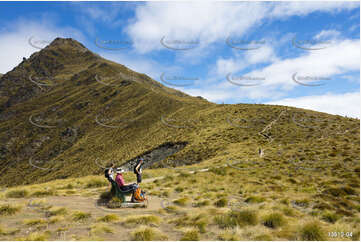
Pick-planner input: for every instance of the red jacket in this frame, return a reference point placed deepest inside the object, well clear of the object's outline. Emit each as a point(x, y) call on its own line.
point(120, 180)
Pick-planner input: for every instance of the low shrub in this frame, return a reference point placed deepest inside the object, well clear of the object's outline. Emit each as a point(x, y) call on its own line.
point(254, 199)
point(109, 218)
point(8, 210)
point(143, 219)
point(81, 216)
point(43, 193)
point(147, 234)
point(32, 222)
point(330, 217)
point(234, 218)
point(273, 220)
point(190, 235)
point(56, 212)
point(312, 231)
point(181, 201)
point(20, 193)
point(221, 202)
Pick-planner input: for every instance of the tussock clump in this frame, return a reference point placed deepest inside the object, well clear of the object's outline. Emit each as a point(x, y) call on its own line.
point(32, 222)
point(312, 231)
point(165, 194)
point(98, 229)
point(36, 236)
point(43, 193)
point(304, 203)
point(179, 189)
point(201, 203)
point(143, 219)
point(20, 193)
point(330, 217)
point(221, 203)
point(228, 236)
point(171, 209)
point(322, 206)
point(289, 212)
point(81, 216)
point(200, 221)
point(145, 233)
point(115, 203)
point(254, 199)
point(8, 210)
point(57, 211)
point(263, 237)
point(273, 220)
point(190, 235)
point(109, 218)
point(56, 219)
point(237, 218)
point(181, 201)
point(69, 186)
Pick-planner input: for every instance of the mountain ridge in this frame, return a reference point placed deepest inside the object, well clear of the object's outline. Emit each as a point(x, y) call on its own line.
point(64, 109)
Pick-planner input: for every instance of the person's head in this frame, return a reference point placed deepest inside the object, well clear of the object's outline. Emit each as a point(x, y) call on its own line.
point(141, 160)
point(119, 171)
point(111, 165)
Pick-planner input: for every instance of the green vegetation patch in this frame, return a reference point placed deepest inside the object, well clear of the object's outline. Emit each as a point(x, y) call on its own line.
point(8, 210)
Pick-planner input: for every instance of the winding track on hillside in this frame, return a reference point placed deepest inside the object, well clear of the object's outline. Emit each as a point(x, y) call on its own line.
point(269, 126)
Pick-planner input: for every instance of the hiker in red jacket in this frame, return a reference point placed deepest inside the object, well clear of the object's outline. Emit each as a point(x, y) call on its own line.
point(120, 181)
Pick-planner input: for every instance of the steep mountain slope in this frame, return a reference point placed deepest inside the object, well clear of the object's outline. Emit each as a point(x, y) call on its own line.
point(66, 112)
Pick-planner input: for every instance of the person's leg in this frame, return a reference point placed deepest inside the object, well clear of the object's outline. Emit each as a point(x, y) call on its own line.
point(125, 188)
point(129, 187)
point(139, 178)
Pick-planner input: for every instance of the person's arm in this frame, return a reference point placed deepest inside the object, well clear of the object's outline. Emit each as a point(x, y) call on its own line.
point(110, 172)
point(137, 168)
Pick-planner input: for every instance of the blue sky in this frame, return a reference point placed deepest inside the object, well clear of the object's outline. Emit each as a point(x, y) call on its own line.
point(227, 52)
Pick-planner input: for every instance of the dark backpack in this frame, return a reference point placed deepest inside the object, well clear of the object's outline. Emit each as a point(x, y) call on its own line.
point(106, 173)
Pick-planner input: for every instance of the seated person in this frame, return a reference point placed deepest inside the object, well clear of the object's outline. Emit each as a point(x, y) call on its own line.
point(120, 181)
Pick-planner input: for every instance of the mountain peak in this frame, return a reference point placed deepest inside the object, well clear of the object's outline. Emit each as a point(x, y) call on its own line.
point(63, 51)
point(58, 42)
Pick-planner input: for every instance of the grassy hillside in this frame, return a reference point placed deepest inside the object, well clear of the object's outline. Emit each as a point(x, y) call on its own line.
point(261, 171)
point(254, 202)
point(72, 108)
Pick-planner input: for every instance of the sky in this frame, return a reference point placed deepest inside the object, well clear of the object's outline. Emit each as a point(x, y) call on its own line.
point(301, 54)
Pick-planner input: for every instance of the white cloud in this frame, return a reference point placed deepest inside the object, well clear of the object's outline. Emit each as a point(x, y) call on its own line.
point(346, 104)
point(328, 34)
point(203, 21)
point(285, 9)
point(341, 58)
point(212, 21)
point(241, 60)
point(336, 59)
point(262, 55)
